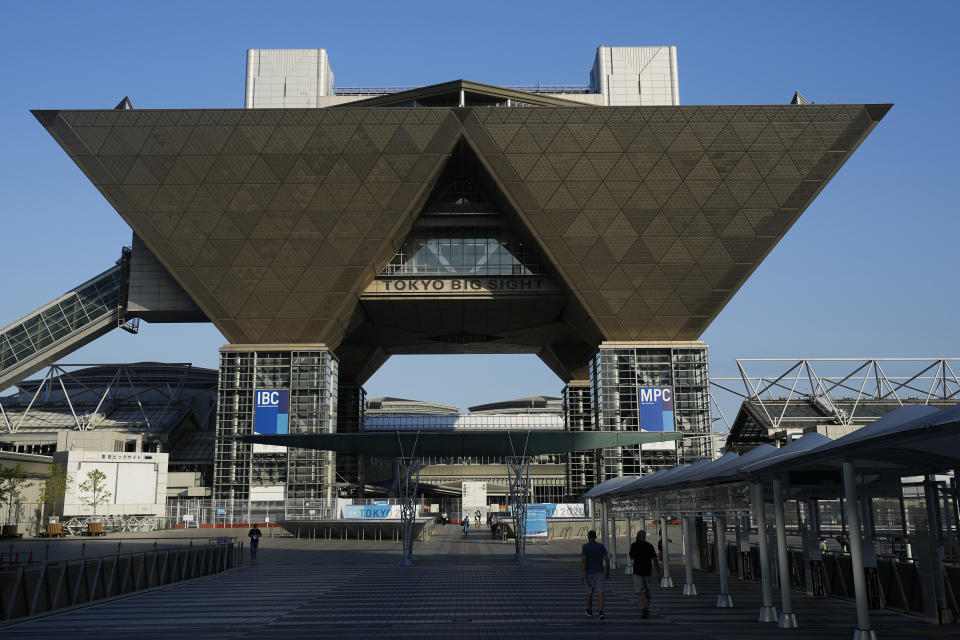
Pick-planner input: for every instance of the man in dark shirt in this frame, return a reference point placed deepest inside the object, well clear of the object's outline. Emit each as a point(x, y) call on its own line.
point(254, 535)
point(594, 567)
point(644, 560)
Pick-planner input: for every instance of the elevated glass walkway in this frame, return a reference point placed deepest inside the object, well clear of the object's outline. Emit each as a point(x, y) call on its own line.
point(64, 324)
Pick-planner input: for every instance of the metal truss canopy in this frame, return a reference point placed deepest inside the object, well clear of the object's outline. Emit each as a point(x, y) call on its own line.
point(404, 444)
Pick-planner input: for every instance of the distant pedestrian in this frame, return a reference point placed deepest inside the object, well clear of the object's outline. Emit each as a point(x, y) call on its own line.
point(254, 535)
point(644, 560)
point(466, 524)
point(444, 519)
point(594, 568)
point(476, 517)
point(823, 544)
point(494, 523)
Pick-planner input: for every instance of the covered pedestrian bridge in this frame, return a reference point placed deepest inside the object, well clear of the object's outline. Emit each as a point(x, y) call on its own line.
point(877, 488)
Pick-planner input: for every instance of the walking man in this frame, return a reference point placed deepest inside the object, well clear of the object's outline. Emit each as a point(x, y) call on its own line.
point(466, 523)
point(254, 535)
point(594, 568)
point(644, 560)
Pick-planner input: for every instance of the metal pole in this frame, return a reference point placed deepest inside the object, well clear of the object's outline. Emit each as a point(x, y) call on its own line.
point(626, 561)
point(689, 589)
point(613, 541)
point(724, 601)
point(665, 581)
point(811, 544)
point(787, 619)
point(863, 631)
point(768, 613)
point(604, 517)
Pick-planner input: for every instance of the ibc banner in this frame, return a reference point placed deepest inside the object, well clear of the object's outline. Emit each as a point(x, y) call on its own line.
point(656, 408)
point(271, 411)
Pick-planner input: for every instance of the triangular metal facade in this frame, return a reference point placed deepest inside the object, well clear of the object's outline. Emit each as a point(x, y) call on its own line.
point(274, 221)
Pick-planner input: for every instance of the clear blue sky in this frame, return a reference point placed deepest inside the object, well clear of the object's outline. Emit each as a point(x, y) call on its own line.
point(870, 268)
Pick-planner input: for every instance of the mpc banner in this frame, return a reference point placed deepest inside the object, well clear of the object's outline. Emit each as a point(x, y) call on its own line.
point(271, 411)
point(656, 408)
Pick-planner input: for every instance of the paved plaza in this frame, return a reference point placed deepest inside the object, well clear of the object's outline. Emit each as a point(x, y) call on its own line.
point(459, 588)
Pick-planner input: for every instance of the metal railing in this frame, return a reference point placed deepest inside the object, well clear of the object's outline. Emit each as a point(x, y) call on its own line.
point(27, 590)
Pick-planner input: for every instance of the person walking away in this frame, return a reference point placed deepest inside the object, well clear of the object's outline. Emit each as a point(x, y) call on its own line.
point(594, 568)
point(466, 524)
point(476, 517)
point(494, 523)
point(644, 558)
point(254, 535)
point(444, 518)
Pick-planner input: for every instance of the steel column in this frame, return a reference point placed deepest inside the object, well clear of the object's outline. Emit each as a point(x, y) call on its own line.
point(519, 470)
point(409, 479)
point(665, 581)
point(628, 566)
point(689, 589)
point(787, 619)
point(724, 601)
point(613, 541)
point(768, 613)
point(863, 632)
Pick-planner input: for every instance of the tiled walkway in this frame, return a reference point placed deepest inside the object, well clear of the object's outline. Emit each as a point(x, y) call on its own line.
point(458, 589)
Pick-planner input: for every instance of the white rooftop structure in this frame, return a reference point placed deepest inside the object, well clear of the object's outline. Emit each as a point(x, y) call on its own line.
point(621, 76)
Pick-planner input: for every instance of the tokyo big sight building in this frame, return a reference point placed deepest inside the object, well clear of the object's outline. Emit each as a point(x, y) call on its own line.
point(323, 229)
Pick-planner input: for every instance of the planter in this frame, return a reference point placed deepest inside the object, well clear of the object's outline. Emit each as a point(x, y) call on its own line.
point(11, 530)
point(95, 529)
point(54, 529)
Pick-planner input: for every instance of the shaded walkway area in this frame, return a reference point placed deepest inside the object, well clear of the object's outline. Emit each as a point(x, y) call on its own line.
point(460, 588)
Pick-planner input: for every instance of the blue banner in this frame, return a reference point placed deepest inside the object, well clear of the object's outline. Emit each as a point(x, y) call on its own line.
point(536, 520)
point(271, 411)
point(656, 408)
point(366, 511)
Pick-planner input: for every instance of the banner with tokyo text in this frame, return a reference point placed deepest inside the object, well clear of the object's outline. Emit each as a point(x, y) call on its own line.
point(271, 411)
point(656, 408)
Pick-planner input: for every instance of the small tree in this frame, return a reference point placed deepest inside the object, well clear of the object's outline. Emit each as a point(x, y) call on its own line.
point(13, 481)
point(55, 486)
point(94, 490)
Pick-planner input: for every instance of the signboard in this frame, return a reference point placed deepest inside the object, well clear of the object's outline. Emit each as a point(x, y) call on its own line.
point(536, 521)
point(371, 511)
point(271, 411)
point(474, 494)
point(568, 510)
point(656, 408)
point(487, 286)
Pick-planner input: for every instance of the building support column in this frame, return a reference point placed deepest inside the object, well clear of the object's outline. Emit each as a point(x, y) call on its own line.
point(689, 589)
point(787, 618)
point(724, 601)
point(863, 632)
point(768, 613)
point(665, 581)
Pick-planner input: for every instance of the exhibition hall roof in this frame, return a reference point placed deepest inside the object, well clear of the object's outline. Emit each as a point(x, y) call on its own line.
point(646, 220)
